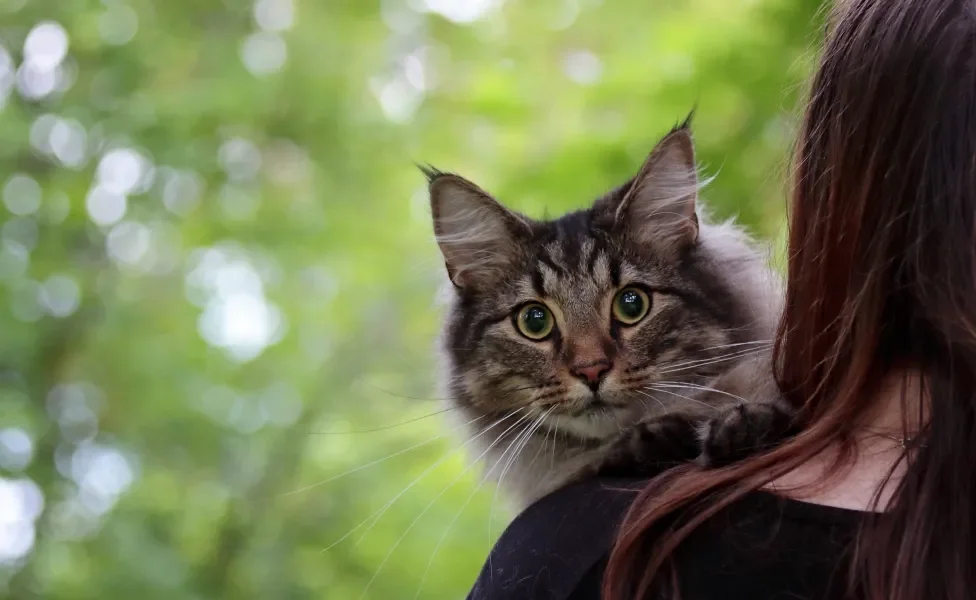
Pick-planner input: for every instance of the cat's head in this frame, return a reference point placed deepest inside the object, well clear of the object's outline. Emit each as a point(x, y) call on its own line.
point(590, 317)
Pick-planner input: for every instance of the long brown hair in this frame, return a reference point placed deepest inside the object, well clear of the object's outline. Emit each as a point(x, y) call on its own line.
point(881, 273)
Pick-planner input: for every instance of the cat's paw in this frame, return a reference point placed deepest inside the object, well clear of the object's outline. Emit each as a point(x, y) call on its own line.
point(651, 446)
point(744, 430)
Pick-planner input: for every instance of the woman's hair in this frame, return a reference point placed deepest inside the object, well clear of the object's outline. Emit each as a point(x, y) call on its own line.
point(881, 274)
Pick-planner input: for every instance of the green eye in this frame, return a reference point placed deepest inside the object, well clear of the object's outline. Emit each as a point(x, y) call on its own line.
point(534, 321)
point(630, 305)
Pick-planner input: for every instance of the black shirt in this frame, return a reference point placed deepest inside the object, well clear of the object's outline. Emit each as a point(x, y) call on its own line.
point(762, 547)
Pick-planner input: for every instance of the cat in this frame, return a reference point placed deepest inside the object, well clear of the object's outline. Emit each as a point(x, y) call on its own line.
point(608, 338)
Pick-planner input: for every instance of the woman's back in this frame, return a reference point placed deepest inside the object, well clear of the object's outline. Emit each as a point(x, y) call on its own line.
point(762, 547)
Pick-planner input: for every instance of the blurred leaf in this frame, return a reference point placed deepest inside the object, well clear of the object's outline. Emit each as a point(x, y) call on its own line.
point(217, 271)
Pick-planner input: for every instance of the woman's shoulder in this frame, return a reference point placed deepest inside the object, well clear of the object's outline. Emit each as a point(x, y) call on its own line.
point(553, 544)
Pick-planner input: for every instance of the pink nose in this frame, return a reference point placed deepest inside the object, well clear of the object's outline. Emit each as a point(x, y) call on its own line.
point(592, 373)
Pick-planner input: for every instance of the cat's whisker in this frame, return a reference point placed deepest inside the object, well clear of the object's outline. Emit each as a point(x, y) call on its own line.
point(539, 425)
point(611, 417)
point(663, 407)
point(637, 372)
point(545, 442)
point(513, 443)
point(385, 458)
point(538, 386)
point(516, 440)
point(431, 468)
point(709, 361)
point(519, 446)
point(413, 523)
point(734, 354)
point(404, 396)
point(555, 442)
point(744, 327)
point(450, 526)
point(379, 512)
point(647, 409)
point(752, 343)
point(421, 263)
point(457, 515)
point(703, 388)
point(386, 427)
point(688, 398)
point(545, 439)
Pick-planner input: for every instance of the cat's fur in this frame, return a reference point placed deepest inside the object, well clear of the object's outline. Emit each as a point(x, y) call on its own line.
point(712, 298)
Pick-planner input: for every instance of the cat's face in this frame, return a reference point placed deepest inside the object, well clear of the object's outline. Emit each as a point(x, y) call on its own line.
point(588, 318)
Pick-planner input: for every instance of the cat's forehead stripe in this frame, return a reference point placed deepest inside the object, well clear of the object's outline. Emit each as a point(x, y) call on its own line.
point(593, 268)
point(553, 251)
point(530, 287)
point(550, 278)
point(587, 253)
point(600, 270)
point(629, 273)
point(595, 255)
point(551, 256)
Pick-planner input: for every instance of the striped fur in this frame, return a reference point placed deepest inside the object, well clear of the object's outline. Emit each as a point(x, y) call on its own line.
point(711, 294)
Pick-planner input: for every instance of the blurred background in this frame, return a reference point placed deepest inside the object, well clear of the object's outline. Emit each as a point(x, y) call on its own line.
point(217, 270)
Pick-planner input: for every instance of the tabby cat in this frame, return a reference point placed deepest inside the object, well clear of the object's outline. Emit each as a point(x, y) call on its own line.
point(604, 339)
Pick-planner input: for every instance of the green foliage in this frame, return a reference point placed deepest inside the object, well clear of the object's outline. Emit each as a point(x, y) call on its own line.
point(216, 262)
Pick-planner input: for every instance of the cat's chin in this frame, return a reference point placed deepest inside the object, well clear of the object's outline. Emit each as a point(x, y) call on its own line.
point(598, 422)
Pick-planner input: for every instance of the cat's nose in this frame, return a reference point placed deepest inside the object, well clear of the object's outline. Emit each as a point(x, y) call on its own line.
point(592, 373)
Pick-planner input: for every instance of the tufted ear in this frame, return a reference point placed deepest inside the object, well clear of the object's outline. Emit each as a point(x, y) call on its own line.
point(479, 238)
point(659, 208)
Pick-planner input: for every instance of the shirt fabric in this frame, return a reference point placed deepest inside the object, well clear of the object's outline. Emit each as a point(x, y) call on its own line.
point(762, 547)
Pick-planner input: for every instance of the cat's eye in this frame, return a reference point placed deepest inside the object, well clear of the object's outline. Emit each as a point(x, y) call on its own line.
point(534, 321)
point(630, 305)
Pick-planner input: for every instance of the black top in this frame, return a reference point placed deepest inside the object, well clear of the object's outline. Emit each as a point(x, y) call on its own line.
point(762, 547)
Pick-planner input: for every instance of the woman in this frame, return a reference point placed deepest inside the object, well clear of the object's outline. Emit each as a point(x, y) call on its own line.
point(876, 497)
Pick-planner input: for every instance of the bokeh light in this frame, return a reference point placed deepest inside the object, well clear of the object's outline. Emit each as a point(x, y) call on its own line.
point(218, 282)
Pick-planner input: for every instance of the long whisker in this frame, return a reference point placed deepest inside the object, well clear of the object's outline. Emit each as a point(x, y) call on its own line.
point(545, 439)
point(383, 510)
point(379, 512)
point(520, 445)
point(385, 458)
point(450, 526)
point(696, 386)
point(555, 441)
point(658, 400)
point(424, 511)
point(421, 264)
point(733, 354)
point(748, 349)
point(752, 343)
point(704, 362)
point(532, 387)
point(516, 448)
point(688, 398)
point(387, 427)
point(512, 444)
point(404, 396)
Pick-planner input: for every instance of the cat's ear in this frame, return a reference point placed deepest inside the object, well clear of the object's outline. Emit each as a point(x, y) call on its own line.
point(659, 208)
point(478, 237)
